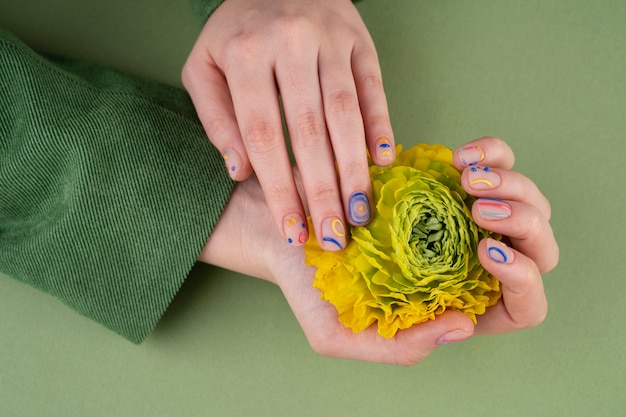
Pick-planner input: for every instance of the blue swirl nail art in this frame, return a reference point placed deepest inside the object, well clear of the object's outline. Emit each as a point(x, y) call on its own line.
point(359, 209)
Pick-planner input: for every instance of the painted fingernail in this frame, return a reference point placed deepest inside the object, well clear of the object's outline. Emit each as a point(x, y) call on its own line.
point(454, 336)
point(295, 229)
point(384, 150)
point(359, 209)
point(232, 160)
point(499, 252)
point(471, 155)
point(333, 234)
point(494, 209)
point(483, 178)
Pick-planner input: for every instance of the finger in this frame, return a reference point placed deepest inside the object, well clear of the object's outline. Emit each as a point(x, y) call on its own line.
point(486, 151)
point(523, 304)
point(209, 92)
point(526, 227)
point(373, 103)
point(345, 127)
point(299, 87)
point(329, 337)
point(483, 181)
point(256, 105)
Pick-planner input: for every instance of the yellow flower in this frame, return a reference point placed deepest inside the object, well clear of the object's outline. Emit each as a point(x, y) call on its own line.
point(417, 257)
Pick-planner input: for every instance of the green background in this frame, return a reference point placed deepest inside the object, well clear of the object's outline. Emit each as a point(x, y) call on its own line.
point(547, 76)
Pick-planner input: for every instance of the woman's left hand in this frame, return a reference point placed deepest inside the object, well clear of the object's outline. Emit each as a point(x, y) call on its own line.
point(510, 204)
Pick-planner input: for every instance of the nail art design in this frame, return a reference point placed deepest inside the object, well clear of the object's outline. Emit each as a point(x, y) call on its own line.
point(232, 160)
point(333, 234)
point(295, 229)
point(359, 209)
point(383, 148)
point(499, 252)
point(483, 178)
point(472, 155)
point(492, 208)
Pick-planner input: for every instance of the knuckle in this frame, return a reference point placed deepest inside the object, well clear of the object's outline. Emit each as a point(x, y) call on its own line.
point(323, 193)
point(244, 46)
point(372, 79)
point(409, 358)
point(532, 227)
point(216, 128)
point(189, 72)
point(261, 138)
point(277, 192)
point(296, 25)
point(342, 102)
point(310, 128)
point(322, 342)
point(539, 317)
point(535, 318)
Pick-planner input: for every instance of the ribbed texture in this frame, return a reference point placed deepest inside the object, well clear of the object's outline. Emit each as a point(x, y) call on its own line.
point(202, 9)
point(108, 187)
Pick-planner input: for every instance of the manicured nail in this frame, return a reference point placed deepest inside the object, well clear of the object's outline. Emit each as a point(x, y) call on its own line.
point(232, 160)
point(384, 150)
point(499, 252)
point(359, 209)
point(472, 155)
point(295, 229)
point(455, 336)
point(483, 178)
point(494, 209)
point(333, 234)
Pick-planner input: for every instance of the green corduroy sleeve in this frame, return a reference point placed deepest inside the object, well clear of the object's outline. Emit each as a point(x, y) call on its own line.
point(202, 9)
point(109, 187)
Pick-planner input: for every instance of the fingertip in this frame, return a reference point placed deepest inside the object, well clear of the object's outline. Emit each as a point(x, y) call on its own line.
point(517, 273)
point(295, 229)
point(333, 235)
point(237, 165)
point(383, 151)
point(359, 209)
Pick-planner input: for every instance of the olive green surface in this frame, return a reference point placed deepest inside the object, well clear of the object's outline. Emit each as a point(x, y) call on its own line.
point(547, 76)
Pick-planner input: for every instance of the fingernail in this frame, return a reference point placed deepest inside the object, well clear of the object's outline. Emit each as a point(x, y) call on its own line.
point(359, 209)
point(333, 234)
point(384, 150)
point(454, 336)
point(471, 155)
point(295, 229)
point(232, 160)
point(499, 252)
point(494, 209)
point(483, 178)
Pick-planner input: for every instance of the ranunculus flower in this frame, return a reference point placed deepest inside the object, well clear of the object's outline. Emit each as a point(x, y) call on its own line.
point(417, 257)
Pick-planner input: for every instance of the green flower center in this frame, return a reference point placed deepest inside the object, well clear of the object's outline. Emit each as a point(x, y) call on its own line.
point(427, 236)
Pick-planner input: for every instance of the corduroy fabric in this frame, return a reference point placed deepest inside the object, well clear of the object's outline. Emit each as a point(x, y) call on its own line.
point(202, 9)
point(109, 187)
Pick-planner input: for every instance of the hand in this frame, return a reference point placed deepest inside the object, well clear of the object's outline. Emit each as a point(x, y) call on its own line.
point(255, 248)
point(520, 212)
point(318, 60)
point(246, 241)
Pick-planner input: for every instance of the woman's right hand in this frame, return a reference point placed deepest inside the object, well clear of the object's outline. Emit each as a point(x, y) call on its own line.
point(318, 61)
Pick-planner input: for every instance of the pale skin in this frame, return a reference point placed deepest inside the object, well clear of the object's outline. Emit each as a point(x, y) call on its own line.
point(257, 249)
point(317, 59)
